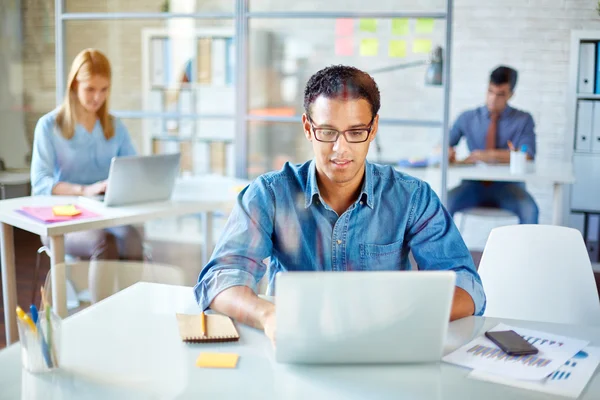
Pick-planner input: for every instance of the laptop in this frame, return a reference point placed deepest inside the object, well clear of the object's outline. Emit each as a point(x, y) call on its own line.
point(140, 179)
point(362, 317)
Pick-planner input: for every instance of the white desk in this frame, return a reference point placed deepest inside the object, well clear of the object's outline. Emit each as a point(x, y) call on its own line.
point(556, 174)
point(191, 196)
point(128, 347)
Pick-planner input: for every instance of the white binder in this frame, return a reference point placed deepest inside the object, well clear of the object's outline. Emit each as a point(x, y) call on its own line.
point(583, 133)
point(587, 67)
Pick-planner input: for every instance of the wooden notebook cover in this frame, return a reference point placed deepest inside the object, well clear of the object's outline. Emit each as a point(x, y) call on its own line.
point(219, 328)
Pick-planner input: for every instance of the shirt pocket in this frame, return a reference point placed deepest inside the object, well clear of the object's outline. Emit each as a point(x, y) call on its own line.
point(381, 257)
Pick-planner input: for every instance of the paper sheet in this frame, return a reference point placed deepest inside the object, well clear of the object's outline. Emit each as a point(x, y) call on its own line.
point(369, 47)
point(368, 25)
point(217, 360)
point(344, 26)
point(421, 46)
point(400, 26)
point(397, 49)
point(344, 46)
point(483, 355)
point(425, 25)
point(569, 380)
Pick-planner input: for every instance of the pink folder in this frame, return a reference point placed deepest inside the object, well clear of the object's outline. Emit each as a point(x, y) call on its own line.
point(45, 214)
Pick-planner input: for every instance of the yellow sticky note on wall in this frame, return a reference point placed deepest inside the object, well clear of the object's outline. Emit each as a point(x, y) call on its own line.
point(217, 360)
point(421, 46)
point(397, 48)
point(65, 211)
point(368, 25)
point(369, 47)
point(400, 26)
point(425, 25)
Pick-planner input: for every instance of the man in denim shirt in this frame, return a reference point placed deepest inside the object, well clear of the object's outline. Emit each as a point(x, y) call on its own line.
point(337, 212)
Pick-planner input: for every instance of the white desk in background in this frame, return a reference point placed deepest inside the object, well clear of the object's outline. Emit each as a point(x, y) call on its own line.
point(191, 196)
point(128, 347)
point(558, 174)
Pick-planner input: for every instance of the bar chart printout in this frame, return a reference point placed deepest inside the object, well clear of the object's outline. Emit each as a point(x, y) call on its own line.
point(482, 354)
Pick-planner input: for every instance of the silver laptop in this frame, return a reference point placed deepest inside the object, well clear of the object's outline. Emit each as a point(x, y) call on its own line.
point(140, 179)
point(362, 317)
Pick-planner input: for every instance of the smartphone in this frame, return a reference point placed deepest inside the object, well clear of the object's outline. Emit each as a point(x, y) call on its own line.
point(511, 343)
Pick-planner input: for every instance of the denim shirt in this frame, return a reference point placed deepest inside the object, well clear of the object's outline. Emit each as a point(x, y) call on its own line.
point(282, 215)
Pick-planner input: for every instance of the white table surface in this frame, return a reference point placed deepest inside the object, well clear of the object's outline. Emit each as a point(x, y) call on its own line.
point(128, 347)
point(203, 194)
point(555, 173)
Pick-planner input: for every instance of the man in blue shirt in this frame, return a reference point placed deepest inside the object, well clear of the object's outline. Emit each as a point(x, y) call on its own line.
point(488, 131)
point(337, 212)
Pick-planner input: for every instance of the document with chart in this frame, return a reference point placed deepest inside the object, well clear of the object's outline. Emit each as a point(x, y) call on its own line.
point(482, 354)
point(569, 380)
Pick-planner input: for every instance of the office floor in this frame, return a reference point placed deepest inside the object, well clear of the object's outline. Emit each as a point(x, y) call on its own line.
point(27, 245)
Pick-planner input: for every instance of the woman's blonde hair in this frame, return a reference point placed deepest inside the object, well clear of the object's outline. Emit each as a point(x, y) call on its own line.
point(88, 63)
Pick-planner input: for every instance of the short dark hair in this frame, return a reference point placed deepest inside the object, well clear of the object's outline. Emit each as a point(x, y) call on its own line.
point(502, 75)
point(341, 81)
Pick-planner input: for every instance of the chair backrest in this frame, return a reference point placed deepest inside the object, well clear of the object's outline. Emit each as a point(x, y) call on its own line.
point(539, 273)
point(105, 278)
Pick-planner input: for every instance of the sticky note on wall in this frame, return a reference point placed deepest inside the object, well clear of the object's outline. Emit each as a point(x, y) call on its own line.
point(397, 48)
point(344, 46)
point(425, 25)
point(421, 46)
point(369, 47)
point(400, 26)
point(344, 26)
point(368, 25)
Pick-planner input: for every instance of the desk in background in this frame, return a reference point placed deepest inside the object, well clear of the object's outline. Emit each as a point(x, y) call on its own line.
point(557, 174)
point(12, 178)
point(128, 346)
point(200, 195)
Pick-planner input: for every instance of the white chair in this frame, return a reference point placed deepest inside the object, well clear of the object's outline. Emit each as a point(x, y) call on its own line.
point(97, 280)
point(539, 273)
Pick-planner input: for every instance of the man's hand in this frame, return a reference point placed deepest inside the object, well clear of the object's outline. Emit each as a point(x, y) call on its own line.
point(451, 155)
point(462, 304)
point(95, 188)
point(270, 326)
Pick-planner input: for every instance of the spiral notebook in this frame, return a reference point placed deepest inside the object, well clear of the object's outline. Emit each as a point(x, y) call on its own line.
point(219, 328)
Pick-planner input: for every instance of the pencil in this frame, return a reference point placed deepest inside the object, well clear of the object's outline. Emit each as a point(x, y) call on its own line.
point(203, 324)
point(511, 146)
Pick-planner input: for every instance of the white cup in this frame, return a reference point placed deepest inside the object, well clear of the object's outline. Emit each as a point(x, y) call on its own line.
point(518, 162)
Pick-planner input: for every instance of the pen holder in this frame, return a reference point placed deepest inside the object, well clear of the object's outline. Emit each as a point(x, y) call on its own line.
point(518, 162)
point(40, 350)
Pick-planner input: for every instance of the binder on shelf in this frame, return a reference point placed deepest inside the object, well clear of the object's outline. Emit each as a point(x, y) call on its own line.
point(230, 61)
point(595, 136)
point(203, 60)
point(597, 91)
point(587, 68)
point(218, 61)
point(157, 72)
point(155, 101)
point(583, 130)
point(186, 106)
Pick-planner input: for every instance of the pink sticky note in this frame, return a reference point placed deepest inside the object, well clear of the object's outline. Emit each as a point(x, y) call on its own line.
point(344, 46)
point(344, 26)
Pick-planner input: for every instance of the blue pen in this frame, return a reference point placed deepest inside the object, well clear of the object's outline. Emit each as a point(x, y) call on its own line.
point(34, 313)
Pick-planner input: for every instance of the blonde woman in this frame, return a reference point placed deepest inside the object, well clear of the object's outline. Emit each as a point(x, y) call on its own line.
point(72, 150)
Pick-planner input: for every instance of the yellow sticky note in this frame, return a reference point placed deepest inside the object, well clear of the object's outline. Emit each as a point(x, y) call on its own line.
point(400, 26)
point(368, 25)
point(397, 48)
point(425, 25)
point(369, 47)
point(421, 46)
point(65, 211)
point(217, 360)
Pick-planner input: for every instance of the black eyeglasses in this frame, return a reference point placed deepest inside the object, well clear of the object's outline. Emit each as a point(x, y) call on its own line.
point(329, 135)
